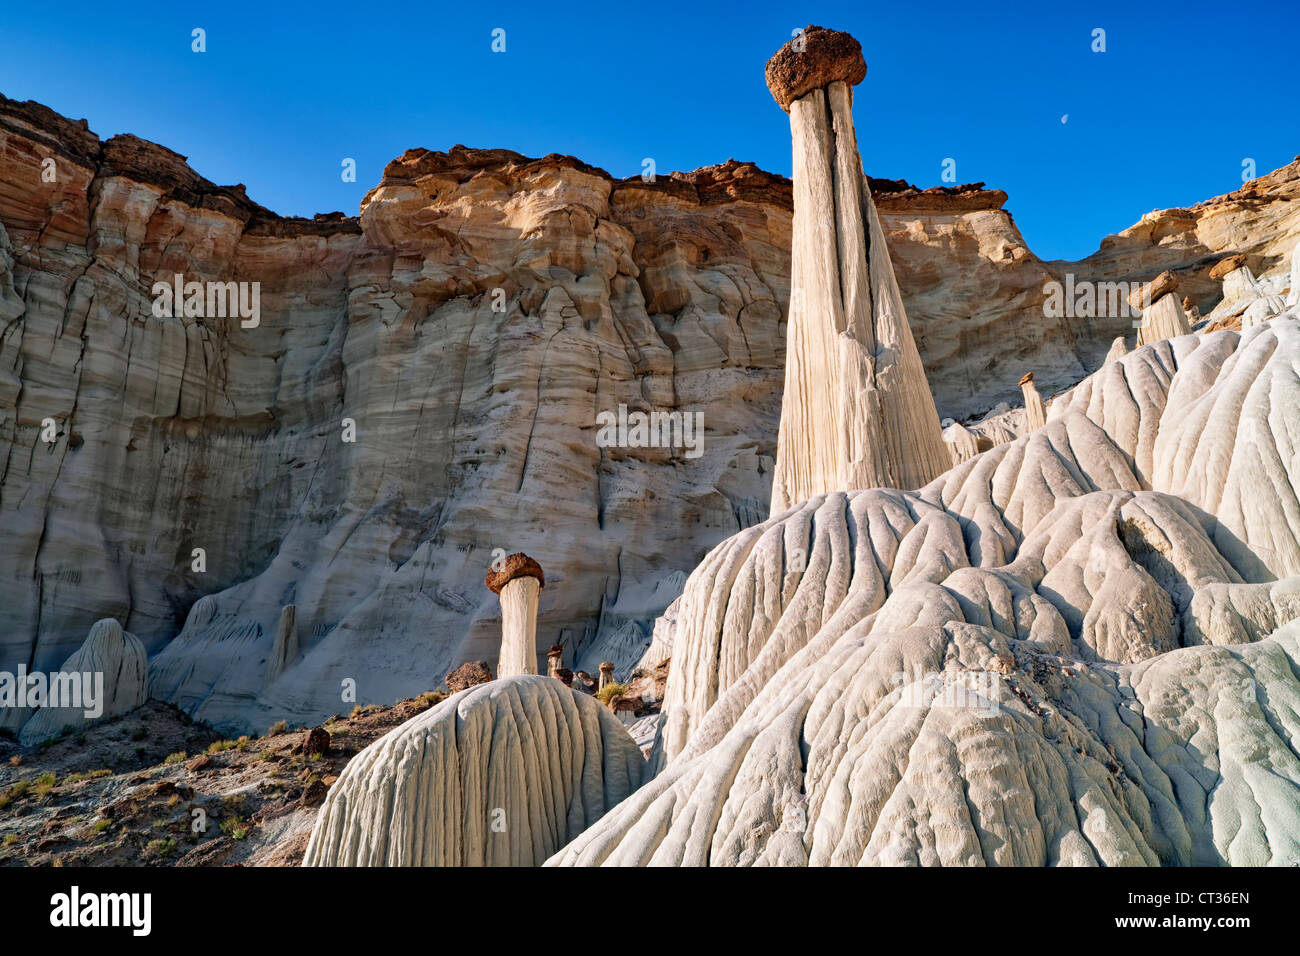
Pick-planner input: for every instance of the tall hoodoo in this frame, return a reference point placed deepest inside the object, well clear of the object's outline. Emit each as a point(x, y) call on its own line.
point(1035, 410)
point(517, 584)
point(857, 411)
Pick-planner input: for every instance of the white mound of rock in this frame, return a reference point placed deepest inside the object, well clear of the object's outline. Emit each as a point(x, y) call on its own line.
point(502, 774)
point(111, 662)
point(1073, 648)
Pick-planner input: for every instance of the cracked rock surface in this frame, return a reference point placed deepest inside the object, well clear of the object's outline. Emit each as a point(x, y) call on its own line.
point(1073, 648)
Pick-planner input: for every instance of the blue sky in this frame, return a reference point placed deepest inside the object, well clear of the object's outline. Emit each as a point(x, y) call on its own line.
point(1184, 93)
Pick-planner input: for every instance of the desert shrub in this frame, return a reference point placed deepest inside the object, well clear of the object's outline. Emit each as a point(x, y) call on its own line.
point(431, 698)
point(159, 848)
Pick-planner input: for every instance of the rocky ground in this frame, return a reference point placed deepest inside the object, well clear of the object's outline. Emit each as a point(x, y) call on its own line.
point(156, 788)
point(128, 791)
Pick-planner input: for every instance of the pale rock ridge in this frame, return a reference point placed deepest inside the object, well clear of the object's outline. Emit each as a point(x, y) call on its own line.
point(1118, 349)
point(118, 657)
point(1036, 659)
point(502, 774)
point(856, 409)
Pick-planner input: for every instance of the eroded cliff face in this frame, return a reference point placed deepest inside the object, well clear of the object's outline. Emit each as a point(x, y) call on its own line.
point(1261, 220)
point(468, 326)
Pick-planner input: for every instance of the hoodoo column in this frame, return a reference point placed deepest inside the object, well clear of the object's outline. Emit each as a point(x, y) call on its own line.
point(518, 585)
point(857, 410)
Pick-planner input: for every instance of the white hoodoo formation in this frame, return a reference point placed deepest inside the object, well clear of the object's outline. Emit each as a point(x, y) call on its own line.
point(1072, 649)
point(518, 585)
point(1293, 295)
point(963, 444)
point(1035, 411)
point(1247, 300)
point(502, 774)
point(1162, 315)
point(111, 656)
point(284, 650)
point(857, 411)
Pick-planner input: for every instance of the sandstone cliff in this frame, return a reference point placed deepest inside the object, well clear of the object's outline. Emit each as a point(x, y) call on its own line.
point(470, 323)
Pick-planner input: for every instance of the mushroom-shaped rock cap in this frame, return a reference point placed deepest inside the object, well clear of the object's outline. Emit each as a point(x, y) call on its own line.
point(1230, 264)
point(1026, 379)
point(1145, 296)
point(517, 565)
point(815, 58)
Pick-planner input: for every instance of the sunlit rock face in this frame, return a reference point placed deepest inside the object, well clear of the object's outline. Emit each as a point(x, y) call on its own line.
point(1078, 647)
point(474, 411)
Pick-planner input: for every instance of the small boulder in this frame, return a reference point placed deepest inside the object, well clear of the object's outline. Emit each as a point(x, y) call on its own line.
point(1144, 296)
point(314, 794)
point(469, 674)
point(1230, 264)
point(316, 741)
